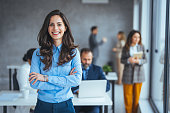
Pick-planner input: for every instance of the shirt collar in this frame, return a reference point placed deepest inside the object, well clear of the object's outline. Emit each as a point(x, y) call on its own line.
point(94, 35)
point(134, 46)
point(57, 48)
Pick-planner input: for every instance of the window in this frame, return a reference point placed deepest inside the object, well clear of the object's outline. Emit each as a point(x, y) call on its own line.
point(158, 55)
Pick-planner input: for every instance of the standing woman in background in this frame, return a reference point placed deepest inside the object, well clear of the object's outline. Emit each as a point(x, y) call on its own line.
point(120, 44)
point(55, 66)
point(133, 73)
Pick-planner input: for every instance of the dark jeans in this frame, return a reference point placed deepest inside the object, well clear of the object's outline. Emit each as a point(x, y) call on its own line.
point(87, 109)
point(62, 107)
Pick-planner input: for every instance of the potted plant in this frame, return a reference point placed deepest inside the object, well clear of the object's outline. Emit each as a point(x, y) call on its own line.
point(107, 68)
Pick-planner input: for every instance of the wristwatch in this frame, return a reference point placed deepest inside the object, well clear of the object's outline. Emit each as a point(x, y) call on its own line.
point(45, 78)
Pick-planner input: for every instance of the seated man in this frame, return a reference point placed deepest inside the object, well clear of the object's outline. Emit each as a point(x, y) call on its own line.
point(90, 72)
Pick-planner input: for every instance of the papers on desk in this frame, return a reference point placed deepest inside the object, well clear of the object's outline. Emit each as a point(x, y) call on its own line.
point(9, 97)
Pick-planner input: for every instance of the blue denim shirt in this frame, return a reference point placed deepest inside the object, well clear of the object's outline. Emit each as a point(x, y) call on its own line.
point(58, 87)
point(84, 75)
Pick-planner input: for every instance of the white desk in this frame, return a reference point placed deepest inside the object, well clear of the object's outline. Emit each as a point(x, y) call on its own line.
point(106, 100)
point(32, 99)
point(112, 77)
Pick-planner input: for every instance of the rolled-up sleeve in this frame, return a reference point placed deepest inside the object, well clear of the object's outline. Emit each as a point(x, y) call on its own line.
point(69, 80)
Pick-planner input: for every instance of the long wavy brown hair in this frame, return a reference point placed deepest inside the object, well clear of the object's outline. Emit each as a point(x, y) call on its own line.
point(129, 39)
point(46, 43)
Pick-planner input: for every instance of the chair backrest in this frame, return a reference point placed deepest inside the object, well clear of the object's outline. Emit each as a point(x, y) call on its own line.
point(15, 82)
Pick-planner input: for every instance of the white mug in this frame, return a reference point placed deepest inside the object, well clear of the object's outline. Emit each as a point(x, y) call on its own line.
point(25, 93)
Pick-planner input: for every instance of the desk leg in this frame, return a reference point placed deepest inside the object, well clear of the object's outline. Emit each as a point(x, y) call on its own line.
point(4, 109)
point(15, 70)
point(10, 74)
point(105, 109)
point(113, 95)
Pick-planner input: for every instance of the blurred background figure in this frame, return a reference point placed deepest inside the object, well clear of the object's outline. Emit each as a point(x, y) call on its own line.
point(94, 45)
point(133, 73)
point(22, 78)
point(118, 49)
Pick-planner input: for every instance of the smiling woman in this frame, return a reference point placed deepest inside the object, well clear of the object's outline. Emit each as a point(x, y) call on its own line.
point(55, 66)
point(56, 28)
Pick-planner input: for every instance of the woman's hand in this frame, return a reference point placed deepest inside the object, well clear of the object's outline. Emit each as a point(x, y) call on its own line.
point(131, 60)
point(137, 61)
point(73, 73)
point(35, 76)
point(114, 49)
point(104, 39)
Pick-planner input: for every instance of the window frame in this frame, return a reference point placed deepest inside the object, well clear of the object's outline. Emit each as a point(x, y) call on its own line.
point(166, 64)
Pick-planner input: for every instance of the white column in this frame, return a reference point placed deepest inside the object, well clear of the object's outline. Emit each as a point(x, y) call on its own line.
point(146, 40)
point(136, 15)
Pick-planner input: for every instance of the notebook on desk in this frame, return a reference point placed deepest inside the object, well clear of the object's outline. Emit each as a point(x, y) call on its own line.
point(92, 88)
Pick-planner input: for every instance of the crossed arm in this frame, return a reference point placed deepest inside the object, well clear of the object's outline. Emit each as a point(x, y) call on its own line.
point(45, 82)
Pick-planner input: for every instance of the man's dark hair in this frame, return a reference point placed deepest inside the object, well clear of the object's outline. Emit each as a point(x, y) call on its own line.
point(86, 50)
point(93, 28)
point(29, 54)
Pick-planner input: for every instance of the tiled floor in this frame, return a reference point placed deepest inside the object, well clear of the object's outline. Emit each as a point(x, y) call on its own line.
point(119, 102)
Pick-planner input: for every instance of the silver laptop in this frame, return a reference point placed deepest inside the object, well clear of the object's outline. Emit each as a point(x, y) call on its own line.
point(92, 88)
